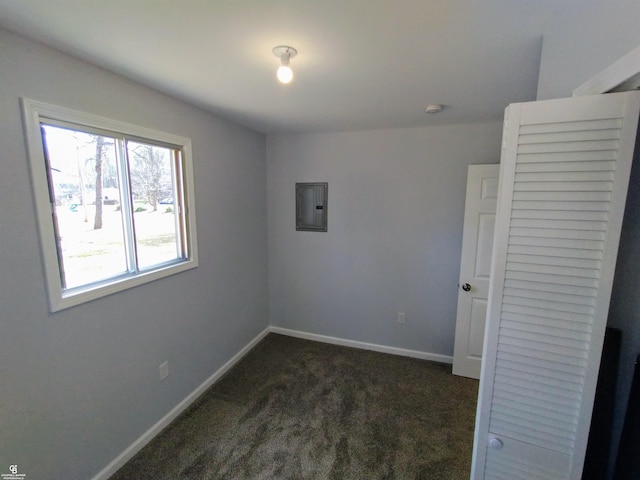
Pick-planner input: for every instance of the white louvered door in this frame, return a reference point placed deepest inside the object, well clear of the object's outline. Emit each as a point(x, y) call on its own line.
point(563, 181)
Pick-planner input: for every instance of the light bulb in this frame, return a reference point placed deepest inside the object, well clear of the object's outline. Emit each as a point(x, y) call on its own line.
point(285, 53)
point(285, 74)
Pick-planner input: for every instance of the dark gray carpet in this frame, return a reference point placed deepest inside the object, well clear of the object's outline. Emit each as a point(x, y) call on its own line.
point(296, 409)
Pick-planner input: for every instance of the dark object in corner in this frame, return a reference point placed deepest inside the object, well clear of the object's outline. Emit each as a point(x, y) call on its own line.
point(596, 460)
point(628, 464)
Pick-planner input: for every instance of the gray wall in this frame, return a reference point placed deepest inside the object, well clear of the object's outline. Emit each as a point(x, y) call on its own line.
point(396, 207)
point(600, 34)
point(79, 386)
point(583, 40)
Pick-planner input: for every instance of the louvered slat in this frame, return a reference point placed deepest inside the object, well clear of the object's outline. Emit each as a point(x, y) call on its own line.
point(557, 242)
point(559, 280)
point(554, 224)
point(595, 165)
point(564, 137)
point(564, 176)
point(580, 126)
point(556, 252)
point(569, 156)
point(548, 287)
point(576, 262)
point(586, 146)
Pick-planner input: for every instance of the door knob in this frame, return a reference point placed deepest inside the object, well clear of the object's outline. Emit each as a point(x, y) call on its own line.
point(466, 287)
point(495, 443)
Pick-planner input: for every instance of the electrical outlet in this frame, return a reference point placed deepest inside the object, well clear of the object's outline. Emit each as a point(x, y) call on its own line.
point(164, 369)
point(400, 319)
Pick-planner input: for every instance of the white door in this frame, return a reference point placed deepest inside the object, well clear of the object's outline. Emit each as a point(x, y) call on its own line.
point(475, 263)
point(564, 174)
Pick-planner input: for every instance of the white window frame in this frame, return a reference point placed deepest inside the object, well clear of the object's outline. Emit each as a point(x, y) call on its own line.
point(35, 113)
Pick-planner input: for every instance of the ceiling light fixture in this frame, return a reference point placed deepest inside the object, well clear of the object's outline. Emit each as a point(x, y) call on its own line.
point(433, 108)
point(285, 53)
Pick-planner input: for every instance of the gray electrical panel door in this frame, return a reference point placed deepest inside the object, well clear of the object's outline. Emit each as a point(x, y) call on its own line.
point(311, 206)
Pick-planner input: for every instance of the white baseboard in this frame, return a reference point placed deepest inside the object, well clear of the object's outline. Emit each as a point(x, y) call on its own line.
point(434, 357)
point(147, 436)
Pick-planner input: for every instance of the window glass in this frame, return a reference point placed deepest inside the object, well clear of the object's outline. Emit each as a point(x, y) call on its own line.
point(83, 180)
point(152, 173)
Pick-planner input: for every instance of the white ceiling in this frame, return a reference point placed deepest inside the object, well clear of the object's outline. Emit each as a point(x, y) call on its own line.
point(361, 64)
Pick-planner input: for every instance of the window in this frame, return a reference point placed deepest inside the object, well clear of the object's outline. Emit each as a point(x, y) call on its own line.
point(114, 201)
